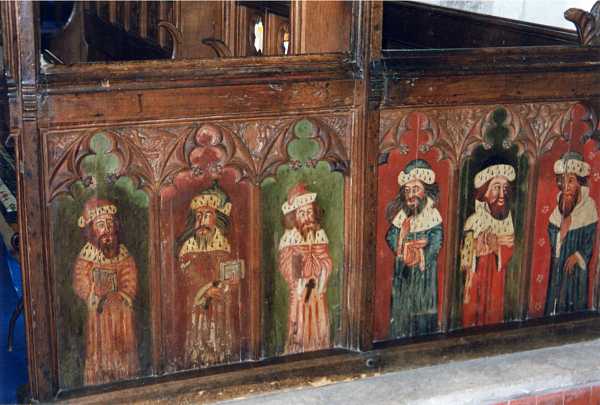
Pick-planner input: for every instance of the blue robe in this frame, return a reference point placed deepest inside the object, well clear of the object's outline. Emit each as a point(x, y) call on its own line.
point(414, 292)
point(569, 292)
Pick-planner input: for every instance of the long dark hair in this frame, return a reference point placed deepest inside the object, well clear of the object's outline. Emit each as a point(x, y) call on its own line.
point(223, 223)
point(399, 202)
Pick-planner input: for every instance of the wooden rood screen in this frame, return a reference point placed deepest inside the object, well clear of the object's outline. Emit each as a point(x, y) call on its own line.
point(297, 190)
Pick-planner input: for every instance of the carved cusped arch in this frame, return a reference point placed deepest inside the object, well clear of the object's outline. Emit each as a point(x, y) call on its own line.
point(116, 155)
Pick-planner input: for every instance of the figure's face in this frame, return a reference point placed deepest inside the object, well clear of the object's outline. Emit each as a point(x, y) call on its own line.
point(105, 233)
point(570, 187)
point(498, 198)
point(414, 192)
point(305, 215)
point(497, 192)
point(104, 229)
point(206, 220)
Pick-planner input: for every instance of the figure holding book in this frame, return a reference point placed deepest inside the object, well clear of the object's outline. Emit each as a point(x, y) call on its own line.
point(105, 278)
point(305, 263)
point(211, 275)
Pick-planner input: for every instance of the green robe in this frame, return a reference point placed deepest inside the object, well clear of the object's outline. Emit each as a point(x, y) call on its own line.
point(414, 291)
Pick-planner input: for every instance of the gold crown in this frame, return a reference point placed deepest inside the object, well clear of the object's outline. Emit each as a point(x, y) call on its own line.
point(92, 213)
point(212, 201)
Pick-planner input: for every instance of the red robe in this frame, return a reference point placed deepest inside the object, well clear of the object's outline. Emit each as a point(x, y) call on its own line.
point(108, 287)
point(483, 299)
point(301, 261)
point(212, 325)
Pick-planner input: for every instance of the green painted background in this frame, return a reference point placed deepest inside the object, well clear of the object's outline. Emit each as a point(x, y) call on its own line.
point(480, 159)
point(329, 187)
point(68, 239)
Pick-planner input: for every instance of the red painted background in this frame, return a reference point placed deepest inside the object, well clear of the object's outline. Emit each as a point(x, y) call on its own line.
point(579, 124)
point(175, 208)
point(416, 134)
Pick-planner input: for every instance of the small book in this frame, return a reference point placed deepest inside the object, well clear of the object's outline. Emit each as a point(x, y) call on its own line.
point(105, 281)
point(231, 269)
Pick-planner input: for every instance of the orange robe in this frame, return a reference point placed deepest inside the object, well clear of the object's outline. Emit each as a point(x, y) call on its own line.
point(108, 287)
point(301, 261)
point(212, 325)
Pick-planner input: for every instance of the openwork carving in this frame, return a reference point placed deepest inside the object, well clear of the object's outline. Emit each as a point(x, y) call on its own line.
point(587, 24)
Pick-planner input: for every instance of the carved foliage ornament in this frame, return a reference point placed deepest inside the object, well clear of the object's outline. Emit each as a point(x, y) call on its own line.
point(455, 132)
point(154, 156)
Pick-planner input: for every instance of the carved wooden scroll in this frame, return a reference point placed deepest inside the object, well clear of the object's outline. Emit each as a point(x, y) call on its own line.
point(587, 24)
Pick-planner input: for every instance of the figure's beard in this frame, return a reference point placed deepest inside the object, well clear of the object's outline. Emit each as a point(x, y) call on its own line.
point(499, 211)
point(308, 228)
point(204, 235)
point(108, 245)
point(414, 209)
point(567, 203)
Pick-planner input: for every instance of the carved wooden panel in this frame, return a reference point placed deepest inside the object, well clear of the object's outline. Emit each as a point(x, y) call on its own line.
point(563, 276)
point(499, 165)
point(414, 182)
point(99, 205)
point(189, 205)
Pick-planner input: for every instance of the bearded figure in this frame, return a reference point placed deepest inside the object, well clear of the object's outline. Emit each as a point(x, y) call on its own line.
point(415, 236)
point(572, 233)
point(487, 246)
point(105, 278)
point(305, 263)
point(210, 275)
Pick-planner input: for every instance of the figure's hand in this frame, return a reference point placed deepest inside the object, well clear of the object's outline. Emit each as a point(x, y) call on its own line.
point(492, 242)
point(571, 263)
point(482, 246)
point(215, 293)
point(506, 240)
point(411, 258)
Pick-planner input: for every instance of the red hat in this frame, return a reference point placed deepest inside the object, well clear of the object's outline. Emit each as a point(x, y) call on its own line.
point(298, 196)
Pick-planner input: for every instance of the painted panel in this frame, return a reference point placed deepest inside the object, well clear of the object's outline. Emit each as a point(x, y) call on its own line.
point(302, 211)
point(413, 196)
point(99, 230)
point(492, 206)
point(563, 277)
point(206, 227)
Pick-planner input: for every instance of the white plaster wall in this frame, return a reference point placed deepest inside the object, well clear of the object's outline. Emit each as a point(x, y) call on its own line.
point(547, 12)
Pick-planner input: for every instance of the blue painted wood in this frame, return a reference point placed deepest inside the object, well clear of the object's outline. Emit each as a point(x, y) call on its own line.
point(13, 365)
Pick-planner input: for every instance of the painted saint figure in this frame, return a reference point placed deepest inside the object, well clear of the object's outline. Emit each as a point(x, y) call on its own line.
point(572, 232)
point(487, 246)
point(305, 263)
point(105, 278)
point(211, 277)
point(415, 236)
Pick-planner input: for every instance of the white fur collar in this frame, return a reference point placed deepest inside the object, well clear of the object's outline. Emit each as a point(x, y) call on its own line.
point(584, 213)
point(483, 220)
point(91, 253)
point(426, 219)
point(217, 243)
point(292, 237)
